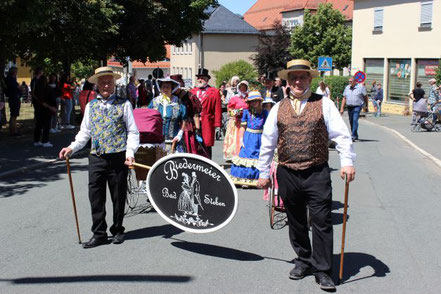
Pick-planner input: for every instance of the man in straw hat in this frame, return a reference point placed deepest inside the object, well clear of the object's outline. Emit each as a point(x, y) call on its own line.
point(108, 122)
point(211, 114)
point(299, 127)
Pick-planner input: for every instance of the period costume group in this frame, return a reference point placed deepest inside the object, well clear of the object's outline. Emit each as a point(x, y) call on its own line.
point(298, 127)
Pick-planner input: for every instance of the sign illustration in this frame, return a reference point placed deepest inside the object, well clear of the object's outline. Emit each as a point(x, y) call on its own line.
point(192, 193)
point(324, 63)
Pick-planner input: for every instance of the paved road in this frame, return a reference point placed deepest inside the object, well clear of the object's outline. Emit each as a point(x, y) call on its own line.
point(392, 243)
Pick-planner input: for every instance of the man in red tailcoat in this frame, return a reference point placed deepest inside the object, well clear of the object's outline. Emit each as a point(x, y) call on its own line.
point(211, 115)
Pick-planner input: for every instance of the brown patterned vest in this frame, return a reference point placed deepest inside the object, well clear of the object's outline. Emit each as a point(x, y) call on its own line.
point(303, 139)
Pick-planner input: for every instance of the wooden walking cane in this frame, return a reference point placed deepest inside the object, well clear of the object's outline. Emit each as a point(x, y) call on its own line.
point(73, 199)
point(345, 213)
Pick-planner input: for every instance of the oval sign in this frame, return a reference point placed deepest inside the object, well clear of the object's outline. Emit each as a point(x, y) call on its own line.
point(192, 193)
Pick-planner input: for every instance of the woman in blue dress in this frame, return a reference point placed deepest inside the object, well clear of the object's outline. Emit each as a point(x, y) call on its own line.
point(244, 166)
point(173, 112)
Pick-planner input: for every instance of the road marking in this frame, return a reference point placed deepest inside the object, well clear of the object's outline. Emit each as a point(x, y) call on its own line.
point(412, 144)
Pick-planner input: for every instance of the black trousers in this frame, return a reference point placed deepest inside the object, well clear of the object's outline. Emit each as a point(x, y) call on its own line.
point(312, 188)
point(42, 124)
point(110, 169)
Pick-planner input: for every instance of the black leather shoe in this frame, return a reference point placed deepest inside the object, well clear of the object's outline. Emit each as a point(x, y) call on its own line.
point(94, 242)
point(118, 238)
point(325, 281)
point(298, 272)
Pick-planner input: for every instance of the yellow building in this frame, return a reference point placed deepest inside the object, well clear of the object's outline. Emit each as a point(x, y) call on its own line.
point(397, 43)
point(226, 38)
point(24, 73)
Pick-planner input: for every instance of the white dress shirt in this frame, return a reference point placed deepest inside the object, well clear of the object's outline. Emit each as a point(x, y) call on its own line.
point(337, 130)
point(84, 134)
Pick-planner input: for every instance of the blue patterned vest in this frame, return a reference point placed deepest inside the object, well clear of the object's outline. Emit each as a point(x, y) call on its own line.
point(107, 127)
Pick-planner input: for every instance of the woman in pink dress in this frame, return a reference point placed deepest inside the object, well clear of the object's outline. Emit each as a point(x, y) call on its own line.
point(235, 108)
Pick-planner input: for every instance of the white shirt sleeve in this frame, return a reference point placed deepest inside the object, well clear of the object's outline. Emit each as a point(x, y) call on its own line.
point(83, 135)
point(270, 137)
point(132, 131)
point(338, 132)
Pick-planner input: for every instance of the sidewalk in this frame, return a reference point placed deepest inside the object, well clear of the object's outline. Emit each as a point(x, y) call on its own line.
point(428, 141)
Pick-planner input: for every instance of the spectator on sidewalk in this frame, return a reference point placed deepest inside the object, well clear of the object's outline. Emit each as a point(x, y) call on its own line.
point(86, 95)
point(419, 102)
point(67, 100)
point(373, 92)
point(24, 92)
point(2, 99)
point(13, 92)
point(378, 100)
point(55, 94)
point(433, 96)
point(44, 107)
point(354, 96)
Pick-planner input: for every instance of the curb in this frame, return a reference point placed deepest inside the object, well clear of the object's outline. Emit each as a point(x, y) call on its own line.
point(409, 142)
point(36, 165)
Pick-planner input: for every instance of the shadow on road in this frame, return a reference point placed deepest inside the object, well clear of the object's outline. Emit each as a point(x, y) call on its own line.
point(100, 278)
point(166, 231)
point(366, 140)
point(217, 251)
point(20, 183)
point(355, 261)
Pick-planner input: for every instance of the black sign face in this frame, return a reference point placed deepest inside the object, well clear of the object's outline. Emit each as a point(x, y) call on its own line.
point(192, 193)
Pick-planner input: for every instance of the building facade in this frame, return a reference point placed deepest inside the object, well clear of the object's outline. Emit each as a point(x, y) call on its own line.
point(264, 13)
point(397, 43)
point(226, 38)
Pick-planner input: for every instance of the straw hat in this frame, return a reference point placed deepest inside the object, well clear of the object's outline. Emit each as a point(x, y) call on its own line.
point(254, 95)
point(103, 71)
point(297, 65)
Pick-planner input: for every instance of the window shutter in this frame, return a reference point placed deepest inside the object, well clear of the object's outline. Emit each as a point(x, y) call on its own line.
point(378, 18)
point(426, 13)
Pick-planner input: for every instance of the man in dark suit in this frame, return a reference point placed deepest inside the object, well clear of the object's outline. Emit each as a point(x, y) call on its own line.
point(270, 90)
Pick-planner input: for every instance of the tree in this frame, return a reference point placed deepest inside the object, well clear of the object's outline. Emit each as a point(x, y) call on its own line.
point(272, 50)
point(68, 31)
point(323, 34)
point(241, 68)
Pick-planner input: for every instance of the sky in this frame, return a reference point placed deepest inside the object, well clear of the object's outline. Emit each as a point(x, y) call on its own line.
point(237, 6)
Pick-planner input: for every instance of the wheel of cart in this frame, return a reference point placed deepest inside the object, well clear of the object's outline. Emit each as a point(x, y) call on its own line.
point(147, 154)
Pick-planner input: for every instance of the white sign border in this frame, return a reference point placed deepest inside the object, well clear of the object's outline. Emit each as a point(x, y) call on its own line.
point(198, 157)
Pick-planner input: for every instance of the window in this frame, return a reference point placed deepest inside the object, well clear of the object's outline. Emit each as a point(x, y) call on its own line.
point(290, 23)
point(426, 14)
point(426, 70)
point(378, 20)
point(399, 80)
point(374, 69)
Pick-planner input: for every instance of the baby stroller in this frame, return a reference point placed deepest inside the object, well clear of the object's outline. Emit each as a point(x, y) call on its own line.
point(427, 120)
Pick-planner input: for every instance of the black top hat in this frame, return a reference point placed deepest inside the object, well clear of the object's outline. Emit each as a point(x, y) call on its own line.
point(270, 75)
point(203, 73)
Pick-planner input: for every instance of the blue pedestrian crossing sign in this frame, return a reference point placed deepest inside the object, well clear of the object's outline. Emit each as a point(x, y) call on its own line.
point(324, 63)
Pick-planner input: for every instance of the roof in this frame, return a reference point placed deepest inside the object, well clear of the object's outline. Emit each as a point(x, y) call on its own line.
point(138, 64)
point(264, 12)
point(223, 21)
